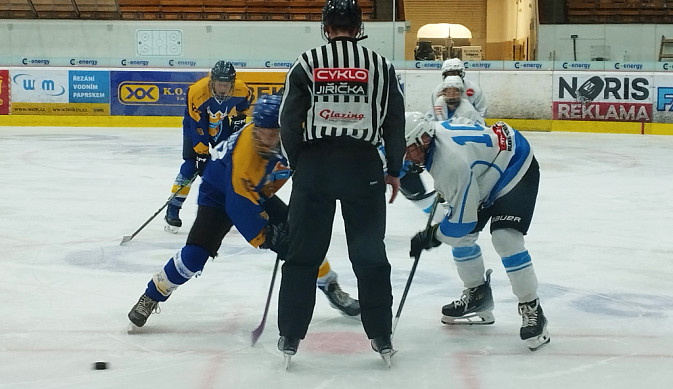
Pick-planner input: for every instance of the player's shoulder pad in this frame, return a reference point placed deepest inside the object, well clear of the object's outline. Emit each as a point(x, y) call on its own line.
point(199, 92)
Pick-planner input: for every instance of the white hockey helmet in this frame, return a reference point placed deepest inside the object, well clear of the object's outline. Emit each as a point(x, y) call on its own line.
point(417, 125)
point(453, 82)
point(453, 67)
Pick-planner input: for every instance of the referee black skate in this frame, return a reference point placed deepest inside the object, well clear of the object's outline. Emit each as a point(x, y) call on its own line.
point(341, 101)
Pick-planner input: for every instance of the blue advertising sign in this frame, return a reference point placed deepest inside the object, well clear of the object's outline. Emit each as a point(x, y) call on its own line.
point(150, 93)
point(87, 86)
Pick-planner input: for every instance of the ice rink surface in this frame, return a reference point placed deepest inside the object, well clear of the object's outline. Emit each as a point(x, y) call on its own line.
point(600, 242)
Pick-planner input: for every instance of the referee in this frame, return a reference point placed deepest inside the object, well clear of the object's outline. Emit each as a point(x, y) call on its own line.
point(341, 101)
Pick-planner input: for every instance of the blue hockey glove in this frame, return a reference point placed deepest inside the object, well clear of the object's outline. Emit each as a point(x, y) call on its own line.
point(424, 240)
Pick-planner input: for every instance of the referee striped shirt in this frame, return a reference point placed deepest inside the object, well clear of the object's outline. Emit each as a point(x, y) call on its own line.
point(342, 89)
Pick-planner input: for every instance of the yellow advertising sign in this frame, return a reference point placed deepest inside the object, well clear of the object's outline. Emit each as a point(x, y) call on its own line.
point(263, 82)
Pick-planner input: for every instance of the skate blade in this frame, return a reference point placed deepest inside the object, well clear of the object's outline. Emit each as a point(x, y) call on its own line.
point(477, 318)
point(132, 329)
point(171, 229)
point(387, 357)
point(537, 342)
point(286, 361)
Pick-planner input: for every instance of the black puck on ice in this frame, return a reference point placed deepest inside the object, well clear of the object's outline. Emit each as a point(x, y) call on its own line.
point(100, 365)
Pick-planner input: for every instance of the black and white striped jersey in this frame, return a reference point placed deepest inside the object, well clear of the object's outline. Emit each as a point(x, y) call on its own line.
point(343, 89)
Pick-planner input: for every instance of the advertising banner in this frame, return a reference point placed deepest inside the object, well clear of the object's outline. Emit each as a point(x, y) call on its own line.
point(150, 93)
point(164, 93)
point(263, 82)
point(618, 97)
point(60, 92)
point(664, 98)
point(4, 92)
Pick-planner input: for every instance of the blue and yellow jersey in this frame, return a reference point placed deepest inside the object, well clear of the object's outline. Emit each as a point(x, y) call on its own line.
point(237, 179)
point(206, 119)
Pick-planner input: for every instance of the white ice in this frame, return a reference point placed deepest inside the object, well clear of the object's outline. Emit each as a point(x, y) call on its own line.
point(600, 242)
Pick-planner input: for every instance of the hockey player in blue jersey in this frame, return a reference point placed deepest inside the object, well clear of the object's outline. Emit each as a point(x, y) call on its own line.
point(483, 174)
point(206, 122)
point(238, 189)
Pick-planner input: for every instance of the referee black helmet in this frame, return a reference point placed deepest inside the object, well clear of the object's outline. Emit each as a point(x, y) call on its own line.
point(342, 14)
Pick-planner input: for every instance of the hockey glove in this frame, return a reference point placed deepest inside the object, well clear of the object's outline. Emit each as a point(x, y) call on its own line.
point(201, 161)
point(237, 122)
point(276, 239)
point(277, 179)
point(424, 240)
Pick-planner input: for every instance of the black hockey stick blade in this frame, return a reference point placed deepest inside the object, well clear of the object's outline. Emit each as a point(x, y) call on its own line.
point(257, 332)
point(127, 238)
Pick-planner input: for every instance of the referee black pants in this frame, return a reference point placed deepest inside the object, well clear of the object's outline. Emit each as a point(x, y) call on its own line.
point(352, 173)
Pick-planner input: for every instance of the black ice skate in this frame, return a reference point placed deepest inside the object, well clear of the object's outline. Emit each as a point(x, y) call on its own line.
point(384, 346)
point(173, 222)
point(534, 325)
point(475, 306)
point(288, 345)
point(142, 310)
point(341, 300)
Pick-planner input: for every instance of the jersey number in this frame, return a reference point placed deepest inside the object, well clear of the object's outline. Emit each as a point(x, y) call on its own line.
point(462, 139)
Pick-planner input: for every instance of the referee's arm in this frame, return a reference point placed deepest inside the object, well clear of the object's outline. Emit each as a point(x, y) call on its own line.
point(393, 127)
point(295, 104)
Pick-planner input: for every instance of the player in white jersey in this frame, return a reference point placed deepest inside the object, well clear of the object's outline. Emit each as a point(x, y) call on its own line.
point(483, 174)
point(449, 103)
point(472, 91)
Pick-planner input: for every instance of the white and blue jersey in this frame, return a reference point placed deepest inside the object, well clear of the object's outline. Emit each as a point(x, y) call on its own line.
point(472, 166)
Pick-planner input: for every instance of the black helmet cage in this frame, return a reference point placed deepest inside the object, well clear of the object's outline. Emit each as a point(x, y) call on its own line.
point(223, 71)
point(342, 13)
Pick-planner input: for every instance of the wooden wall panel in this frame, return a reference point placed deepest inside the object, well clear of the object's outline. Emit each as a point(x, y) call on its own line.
point(469, 13)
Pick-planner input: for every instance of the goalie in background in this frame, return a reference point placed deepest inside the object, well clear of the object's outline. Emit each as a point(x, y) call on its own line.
point(483, 174)
point(206, 122)
point(448, 104)
point(471, 90)
point(238, 189)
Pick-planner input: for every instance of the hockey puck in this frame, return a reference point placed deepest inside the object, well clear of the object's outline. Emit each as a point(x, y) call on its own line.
point(100, 365)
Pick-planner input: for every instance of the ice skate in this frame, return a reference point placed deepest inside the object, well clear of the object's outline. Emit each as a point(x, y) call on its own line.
point(341, 300)
point(173, 222)
point(142, 310)
point(384, 346)
point(475, 306)
point(534, 325)
point(288, 345)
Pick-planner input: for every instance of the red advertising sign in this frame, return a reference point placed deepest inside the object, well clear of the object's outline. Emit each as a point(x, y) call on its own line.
point(4, 92)
point(616, 97)
point(603, 111)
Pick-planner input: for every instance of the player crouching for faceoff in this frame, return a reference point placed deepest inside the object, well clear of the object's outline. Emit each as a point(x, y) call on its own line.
point(482, 173)
point(238, 189)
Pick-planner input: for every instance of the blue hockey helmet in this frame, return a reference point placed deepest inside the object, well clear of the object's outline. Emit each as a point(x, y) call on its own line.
point(266, 111)
point(266, 134)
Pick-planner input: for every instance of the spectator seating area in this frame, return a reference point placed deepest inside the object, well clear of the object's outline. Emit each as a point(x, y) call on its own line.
point(172, 9)
point(619, 11)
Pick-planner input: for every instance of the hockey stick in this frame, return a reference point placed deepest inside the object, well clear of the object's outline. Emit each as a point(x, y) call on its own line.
point(413, 267)
point(127, 238)
point(257, 332)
